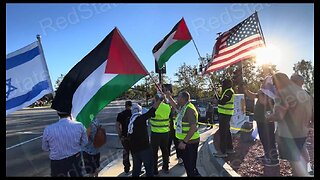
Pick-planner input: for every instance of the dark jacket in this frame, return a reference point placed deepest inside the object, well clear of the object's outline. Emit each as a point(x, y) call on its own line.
point(139, 139)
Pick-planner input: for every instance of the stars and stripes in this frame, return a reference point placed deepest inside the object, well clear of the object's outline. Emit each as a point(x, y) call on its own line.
point(236, 44)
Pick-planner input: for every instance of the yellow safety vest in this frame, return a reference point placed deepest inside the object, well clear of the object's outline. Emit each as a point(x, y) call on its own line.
point(228, 108)
point(160, 123)
point(186, 126)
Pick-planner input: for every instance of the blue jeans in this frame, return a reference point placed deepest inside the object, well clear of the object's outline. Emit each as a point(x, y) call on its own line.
point(268, 140)
point(145, 157)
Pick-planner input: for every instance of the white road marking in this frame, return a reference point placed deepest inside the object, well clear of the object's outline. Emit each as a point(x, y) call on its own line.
point(112, 134)
point(23, 143)
point(108, 124)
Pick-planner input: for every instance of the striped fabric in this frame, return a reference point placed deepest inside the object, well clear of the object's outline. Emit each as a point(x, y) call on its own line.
point(64, 139)
point(236, 44)
point(27, 77)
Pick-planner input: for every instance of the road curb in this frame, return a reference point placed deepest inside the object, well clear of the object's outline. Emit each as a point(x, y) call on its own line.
point(223, 169)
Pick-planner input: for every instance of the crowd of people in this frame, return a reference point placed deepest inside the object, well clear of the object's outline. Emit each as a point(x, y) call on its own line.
point(280, 101)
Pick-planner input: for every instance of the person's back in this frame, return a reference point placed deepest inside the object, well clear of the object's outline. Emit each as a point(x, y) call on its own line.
point(91, 154)
point(297, 119)
point(65, 138)
point(123, 119)
point(139, 139)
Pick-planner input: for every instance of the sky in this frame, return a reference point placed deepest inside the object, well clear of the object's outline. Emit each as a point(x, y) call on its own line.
point(70, 31)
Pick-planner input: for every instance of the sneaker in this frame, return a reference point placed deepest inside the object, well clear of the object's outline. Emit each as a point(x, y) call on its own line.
point(126, 170)
point(230, 151)
point(220, 155)
point(269, 162)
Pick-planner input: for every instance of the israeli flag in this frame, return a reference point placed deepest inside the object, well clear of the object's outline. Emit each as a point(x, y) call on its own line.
point(27, 77)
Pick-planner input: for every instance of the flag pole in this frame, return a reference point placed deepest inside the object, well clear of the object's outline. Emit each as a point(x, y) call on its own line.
point(196, 48)
point(213, 87)
point(155, 82)
point(46, 66)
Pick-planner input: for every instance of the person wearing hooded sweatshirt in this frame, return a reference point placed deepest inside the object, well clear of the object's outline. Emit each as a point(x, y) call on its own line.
point(293, 113)
point(139, 139)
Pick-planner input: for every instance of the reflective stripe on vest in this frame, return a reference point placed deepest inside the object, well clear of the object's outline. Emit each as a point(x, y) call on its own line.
point(160, 123)
point(228, 108)
point(186, 126)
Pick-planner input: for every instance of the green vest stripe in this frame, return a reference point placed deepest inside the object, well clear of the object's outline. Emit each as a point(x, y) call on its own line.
point(159, 120)
point(160, 123)
point(228, 108)
point(225, 108)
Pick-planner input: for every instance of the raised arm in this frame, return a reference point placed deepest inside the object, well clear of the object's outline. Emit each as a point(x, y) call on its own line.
point(171, 100)
point(250, 94)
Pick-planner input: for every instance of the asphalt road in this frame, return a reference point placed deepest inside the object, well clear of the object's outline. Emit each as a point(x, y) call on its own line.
point(24, 128)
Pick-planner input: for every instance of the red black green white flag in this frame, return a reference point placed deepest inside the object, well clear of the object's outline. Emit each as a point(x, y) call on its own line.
point(178, 37)
point(105, 73)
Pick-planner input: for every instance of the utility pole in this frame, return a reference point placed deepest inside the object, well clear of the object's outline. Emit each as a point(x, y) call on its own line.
point(160, 72)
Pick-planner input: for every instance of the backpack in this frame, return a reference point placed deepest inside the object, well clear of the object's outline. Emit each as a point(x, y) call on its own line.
point(100, 137)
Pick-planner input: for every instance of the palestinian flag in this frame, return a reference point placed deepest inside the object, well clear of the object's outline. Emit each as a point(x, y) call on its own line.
point(178, 37)
point(105, 73)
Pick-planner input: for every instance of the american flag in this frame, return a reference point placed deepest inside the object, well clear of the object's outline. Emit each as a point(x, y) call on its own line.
point(236, 44)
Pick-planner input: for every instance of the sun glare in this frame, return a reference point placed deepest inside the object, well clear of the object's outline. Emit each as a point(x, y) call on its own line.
point(268, 55)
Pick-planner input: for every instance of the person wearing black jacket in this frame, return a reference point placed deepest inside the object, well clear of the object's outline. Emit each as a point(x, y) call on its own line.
point(139, 139)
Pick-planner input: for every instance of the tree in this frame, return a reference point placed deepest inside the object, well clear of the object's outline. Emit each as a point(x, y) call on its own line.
point(58, 81)
point(190, 81)
point(306, 70)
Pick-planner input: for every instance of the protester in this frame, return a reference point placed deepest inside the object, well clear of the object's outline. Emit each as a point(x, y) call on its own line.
point(64, 140)
point(91, 154)
point(293, 113)
point(298, 80)
point(225, 110)
point(139, 139)
point(266, 96)
point(160, 136)
point(122, 129)
point(172, 137)
point(187, 131)
point(209, 115)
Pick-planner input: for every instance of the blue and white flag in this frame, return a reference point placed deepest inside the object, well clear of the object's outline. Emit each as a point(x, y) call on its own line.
point(27, 77)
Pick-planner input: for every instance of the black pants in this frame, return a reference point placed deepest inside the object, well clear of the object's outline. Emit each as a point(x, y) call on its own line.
point(189, 157)
point(145, 157)
point(160, 140)
point(225, 134)
point(71, 165)
point(267, 138)
point(172, 137)
point(209, 117)
point(125, 154)
point(91, 162)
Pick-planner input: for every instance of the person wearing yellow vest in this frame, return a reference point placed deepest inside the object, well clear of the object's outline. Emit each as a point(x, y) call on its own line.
point(160, 136)
point(172, 137)
point(187, 131)
point(225, 111)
